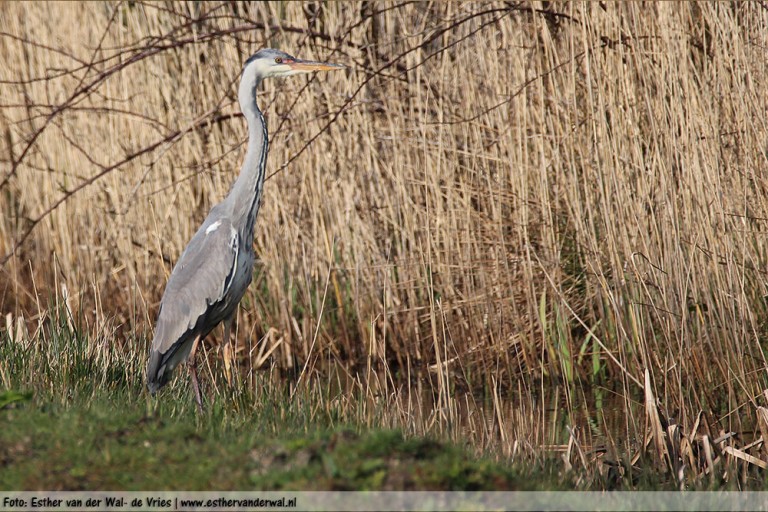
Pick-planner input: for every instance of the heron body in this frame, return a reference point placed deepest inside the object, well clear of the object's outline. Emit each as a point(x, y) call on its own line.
point(215, 269)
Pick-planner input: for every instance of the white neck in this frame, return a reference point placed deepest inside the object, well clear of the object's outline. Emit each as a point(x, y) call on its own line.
point(245, 195)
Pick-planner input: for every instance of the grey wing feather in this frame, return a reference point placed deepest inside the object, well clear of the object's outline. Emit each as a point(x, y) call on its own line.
point(199, 280)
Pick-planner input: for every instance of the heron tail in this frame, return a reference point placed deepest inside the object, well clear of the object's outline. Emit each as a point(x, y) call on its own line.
point(156, 372)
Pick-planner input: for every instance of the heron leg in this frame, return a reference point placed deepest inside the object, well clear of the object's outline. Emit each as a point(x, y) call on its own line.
point(192, 363)
point(229, 355)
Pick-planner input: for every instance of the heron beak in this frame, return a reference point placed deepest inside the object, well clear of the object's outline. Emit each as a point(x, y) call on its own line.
point(311, 65)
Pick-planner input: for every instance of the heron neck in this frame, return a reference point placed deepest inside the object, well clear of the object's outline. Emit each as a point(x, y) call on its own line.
point(246, 192)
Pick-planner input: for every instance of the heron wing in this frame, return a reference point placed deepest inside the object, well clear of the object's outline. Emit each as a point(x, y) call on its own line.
point(200, 280)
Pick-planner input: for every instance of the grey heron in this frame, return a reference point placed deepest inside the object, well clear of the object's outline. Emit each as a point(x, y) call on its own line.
point(215, 269)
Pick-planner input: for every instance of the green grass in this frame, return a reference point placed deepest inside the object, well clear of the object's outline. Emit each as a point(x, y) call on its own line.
point(104, 445)
point(76, 416)
point(114, 441)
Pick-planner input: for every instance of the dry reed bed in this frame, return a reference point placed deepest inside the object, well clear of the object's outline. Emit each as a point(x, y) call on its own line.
point(699, 456)
point(491, 191)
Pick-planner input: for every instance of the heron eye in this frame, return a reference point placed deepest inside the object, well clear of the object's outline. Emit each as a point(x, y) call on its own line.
point(278, 60)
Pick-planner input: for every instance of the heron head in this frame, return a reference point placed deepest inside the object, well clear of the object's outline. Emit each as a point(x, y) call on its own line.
point(274, 63)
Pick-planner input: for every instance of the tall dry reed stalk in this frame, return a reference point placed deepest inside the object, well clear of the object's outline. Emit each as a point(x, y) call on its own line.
point(493, 195)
